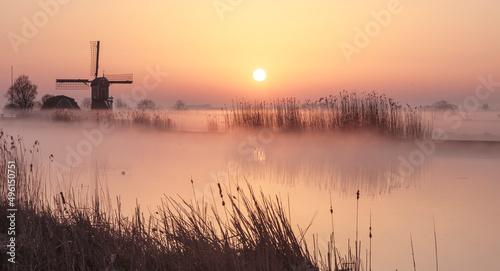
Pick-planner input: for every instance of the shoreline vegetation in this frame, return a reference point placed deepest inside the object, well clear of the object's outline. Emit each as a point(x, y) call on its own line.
point(344, 112)
point(57, 230)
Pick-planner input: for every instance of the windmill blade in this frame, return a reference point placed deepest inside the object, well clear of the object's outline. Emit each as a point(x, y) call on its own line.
point(72, 84)
point(127, 78)
point(94, 58)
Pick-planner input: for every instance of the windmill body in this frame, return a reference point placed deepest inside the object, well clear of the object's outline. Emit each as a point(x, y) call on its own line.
point(99, 85)
point(100, 94)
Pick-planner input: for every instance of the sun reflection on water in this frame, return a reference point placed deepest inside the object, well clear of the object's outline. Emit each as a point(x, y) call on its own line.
point(259, 156)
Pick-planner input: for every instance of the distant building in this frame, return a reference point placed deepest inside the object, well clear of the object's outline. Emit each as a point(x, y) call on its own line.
point(60, 102)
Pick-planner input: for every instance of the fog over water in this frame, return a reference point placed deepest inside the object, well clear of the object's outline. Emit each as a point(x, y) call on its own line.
point(403, 184)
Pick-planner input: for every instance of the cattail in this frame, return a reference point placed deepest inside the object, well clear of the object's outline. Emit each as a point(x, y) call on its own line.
point(220, 190)
point(62, 197)
point(370, 240)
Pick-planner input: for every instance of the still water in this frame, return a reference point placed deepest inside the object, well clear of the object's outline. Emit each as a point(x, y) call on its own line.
point(404, 186)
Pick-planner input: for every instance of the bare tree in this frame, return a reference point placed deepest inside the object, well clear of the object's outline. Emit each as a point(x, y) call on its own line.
point(444, 105)
point(146, 104)
point(46, 97)
point(180, 105)
point(121, 104)
point(86, 103)
point(22, 93)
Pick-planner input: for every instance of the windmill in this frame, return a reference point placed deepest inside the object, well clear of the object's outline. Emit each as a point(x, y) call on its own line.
point(99, 85)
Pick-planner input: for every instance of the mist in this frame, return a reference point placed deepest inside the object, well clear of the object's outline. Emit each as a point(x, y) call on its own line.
point(402, 183)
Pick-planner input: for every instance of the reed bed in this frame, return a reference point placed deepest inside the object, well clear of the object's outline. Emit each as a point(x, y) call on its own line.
point(345, 112)
point(55, 231)
point(123, 118)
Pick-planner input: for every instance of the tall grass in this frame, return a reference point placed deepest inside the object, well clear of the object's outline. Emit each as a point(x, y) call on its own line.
point(347, 111)
point(247, 231)
point(344, 112)
point(142, 118)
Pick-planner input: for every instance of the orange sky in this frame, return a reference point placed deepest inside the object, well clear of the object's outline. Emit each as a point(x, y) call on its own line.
point(427, 50)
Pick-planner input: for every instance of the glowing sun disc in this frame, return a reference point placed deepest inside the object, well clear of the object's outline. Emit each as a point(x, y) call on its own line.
point(259, 75)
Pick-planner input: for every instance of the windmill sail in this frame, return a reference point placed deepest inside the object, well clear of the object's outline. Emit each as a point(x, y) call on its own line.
point(120, 78)
point(94, 58)
point(72, 84)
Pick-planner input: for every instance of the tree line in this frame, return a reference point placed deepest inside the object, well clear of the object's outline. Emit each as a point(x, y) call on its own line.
point(22, 96)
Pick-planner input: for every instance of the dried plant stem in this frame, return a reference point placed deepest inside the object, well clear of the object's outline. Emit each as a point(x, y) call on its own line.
point(413, 254)
point(435, 242)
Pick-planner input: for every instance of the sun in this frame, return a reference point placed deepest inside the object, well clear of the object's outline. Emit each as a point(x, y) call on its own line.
point(259, 75)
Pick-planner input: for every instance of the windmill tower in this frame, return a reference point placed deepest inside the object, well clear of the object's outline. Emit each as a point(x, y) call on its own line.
point(99, 85)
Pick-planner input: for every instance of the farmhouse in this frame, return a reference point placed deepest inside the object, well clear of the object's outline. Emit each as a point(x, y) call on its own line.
point(60, 102)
